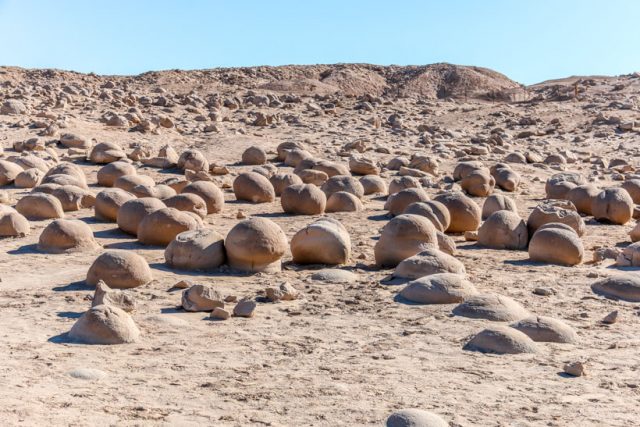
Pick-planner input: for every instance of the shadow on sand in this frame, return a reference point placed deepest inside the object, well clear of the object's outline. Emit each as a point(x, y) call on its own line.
point(26, 249)
point(70, 314)
point(74, 286)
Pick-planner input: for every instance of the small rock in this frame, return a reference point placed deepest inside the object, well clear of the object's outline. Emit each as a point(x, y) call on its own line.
point(545, 292)
point(183, 284)
point(216, 169)
point(285, 292)
point(601, 254)
point(220, 314)
point(471, 236)
point(611, 318)
point(245, 308)
point(201, 298)
point(230, 298)
point(241, 215)
point(575, 369)
point(114, 297)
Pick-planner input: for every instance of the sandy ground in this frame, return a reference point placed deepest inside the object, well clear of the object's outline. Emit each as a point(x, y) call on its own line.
point(343, 354)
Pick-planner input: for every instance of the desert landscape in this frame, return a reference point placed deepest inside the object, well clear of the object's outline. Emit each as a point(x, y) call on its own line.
point(319, 245)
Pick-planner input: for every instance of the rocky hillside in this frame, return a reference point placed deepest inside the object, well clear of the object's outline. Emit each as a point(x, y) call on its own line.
point(435, 81)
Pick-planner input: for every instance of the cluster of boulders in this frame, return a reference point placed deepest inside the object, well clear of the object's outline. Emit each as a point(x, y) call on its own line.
point(427, 212)
point(415, 242)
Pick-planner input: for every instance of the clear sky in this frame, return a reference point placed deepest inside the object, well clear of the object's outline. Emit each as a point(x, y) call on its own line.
point(528, 40)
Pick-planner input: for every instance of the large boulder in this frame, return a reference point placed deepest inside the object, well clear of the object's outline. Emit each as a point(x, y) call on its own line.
point(324, 241)
point(255, 245)
point(346, 183)
point(303, 199)
point(478, 183)
point(73, 198)
point(40, 206)
point(625, 287)
point(72, 140)
point(556, 246)
point(613, 205)
point(108, 174)
point(13, 107)
point(106, 152)
point(630, 256)
point(402, 237)
point(633, 188)
point(360, 165)
point(188, 202)
point(561, 211)
point(501, 340)
point(254, 188)
point(281, 181)
point(254, 155)
point(434, 211)
point(13, 224)
point(76, 175)
point(285, 147)
point(398, 202)
point(160, 227)
point(492, 307)
point(503, 230)
point(65, 236)
point(29, 178)
point(209, 192)
point(119, 270)
point(559, 184)
point(430, 260)
point(465, 213)
point(505, 177)
point(546, 329)
point(498, 202)
point(131, 213)
point(108, 203)
point(201, 249)
point(399, 183)
point(194, 160)
point(373, 184)
point(342, 201)
point(104, 324)
point(582, 197)
point(8, 172)
point(129, 182)
point(462, 169)
point(441, 288)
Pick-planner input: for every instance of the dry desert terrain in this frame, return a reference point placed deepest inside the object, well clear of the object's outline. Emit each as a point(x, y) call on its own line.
point(345, 348)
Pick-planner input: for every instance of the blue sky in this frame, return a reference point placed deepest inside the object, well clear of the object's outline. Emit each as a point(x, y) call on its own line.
point(528, 40)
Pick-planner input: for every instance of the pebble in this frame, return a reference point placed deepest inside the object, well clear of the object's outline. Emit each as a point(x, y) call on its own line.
point(219, 314)
point(575, 369)
point(183, 284)
point(545, 292)
point(245, 308)
point(611, 318)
